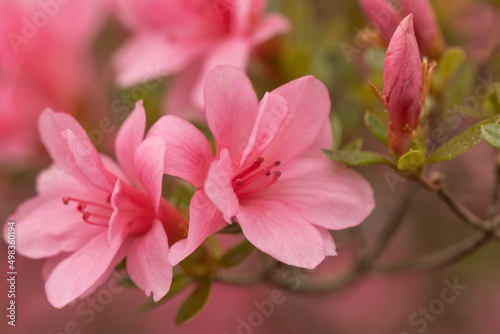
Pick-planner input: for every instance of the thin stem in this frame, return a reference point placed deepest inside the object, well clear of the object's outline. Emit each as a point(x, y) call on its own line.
point(461, 211)
point(440, 258)
point(493, 209)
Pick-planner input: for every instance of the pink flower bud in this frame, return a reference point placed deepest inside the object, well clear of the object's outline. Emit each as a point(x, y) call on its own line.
point(427, 31)
point(383, 15)
point(403, 86)
point(386, 17)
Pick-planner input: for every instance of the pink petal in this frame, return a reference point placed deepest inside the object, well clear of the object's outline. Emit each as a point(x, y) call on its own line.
point(270, 26)
point(330, 248)
point(281, 232)
point(188, 151)
point(46, 227)
point(178, 100)
point(151, 55)
point(54, 178)
point(231, 108)
point(324, 141)
point(218, 186)
point(50, 126)
point(273, 111)
point(147, 262)
point(133, 211)
point(308, 110)
point(128, 139)
point(204, 220)
point(77, 273)
point(232, 51)
point(331, 195)
point(149, 164)
point(88, 163)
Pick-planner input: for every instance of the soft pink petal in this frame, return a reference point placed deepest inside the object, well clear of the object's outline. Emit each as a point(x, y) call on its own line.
point(204, 220)
point(273, 111)
point(128, 139)
point(77, 273)
point(218, 186)
point(149, 164)
point(54, 178)
point(178, 99)
point(330, 248)
point(89, 164)
point(231, 108)
point(279, 231)
point(331, 195)
point(233, 51)
point(133, 211)
point(147, 262)
point(50, 127)
point(270, 26)
point(188, 151)
point(308, 110)
point(382, 14)
point(152, 55)
point(46, 227)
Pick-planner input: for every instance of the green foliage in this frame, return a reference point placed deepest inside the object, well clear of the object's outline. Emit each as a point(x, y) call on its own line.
point(412, 163)
point(377, 127)
point(195, 302)
point(354, 145)
point(237, 254)
point(357, 158)
point(460, 143)
point(491, 134)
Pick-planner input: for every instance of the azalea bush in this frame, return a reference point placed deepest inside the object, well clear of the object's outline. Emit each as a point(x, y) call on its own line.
point(176, 146)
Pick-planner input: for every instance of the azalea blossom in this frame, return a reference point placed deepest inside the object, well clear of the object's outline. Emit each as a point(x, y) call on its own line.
point(268, 173)
point(44, 64)
point(386, 17)
point(190, 38)
point(91, 213)
point(403, 87)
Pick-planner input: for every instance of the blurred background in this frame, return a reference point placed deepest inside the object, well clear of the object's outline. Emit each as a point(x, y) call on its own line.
point(324, 42)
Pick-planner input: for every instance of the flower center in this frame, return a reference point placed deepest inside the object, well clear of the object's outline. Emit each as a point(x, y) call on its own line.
point(255, 178)
point(92, 213)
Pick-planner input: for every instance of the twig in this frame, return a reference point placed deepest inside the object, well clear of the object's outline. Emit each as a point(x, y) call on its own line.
point(441, 258)
point(436, 186)
point(493, 208)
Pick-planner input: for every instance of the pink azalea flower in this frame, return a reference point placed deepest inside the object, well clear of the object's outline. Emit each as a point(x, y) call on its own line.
point(89, 213)
point(190, 38)
point(386, 17)
point(403, 86)
point(268, 172)
point(40, 59)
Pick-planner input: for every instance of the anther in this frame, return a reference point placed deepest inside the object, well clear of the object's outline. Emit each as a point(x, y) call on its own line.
point(255, 165)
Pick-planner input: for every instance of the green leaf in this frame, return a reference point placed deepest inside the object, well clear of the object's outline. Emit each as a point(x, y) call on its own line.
point(491, 134)
point(179, 282)
point(237, 254)
point(353, 145)
point(127, 282)
point(195, 302)
point(337, 130)
point(357, 158)
point(460, 143)
point(376, 127)
point(411, 163)
point(234, 228)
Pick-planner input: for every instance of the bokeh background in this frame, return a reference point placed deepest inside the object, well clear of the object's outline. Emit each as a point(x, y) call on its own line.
point(375, 304)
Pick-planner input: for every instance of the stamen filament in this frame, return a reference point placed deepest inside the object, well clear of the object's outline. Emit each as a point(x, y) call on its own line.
point(83, 203)
point(276, 176)
point(256, 164)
